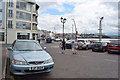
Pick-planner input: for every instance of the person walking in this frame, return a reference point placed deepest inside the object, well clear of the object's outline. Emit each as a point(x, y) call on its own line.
point(63, 46)
point(74, 44)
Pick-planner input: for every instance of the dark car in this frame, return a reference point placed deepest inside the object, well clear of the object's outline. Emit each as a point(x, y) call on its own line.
point(114, 47)
point(48, 40)
point(99, 46)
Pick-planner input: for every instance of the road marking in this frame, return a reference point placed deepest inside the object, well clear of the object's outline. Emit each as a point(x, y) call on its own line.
point(110, 60)
point(54, 46)
point(83, 56)
point(98, 53)
point(4, 69)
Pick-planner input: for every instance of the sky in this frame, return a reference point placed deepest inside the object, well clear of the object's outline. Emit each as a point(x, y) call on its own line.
point(86, 14)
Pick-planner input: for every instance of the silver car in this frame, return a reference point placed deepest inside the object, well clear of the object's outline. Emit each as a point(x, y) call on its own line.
point(28, 57)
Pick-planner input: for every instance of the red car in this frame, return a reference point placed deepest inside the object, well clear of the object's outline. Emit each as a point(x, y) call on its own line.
point(114, 47)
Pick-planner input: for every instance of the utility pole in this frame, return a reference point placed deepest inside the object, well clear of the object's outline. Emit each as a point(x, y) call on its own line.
point(100, 29)
point(75, 30)
point(72, 31)
point(6, 6)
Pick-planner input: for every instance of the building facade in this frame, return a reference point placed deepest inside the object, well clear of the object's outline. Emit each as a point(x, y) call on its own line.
point(19, 20)
point(43, 34)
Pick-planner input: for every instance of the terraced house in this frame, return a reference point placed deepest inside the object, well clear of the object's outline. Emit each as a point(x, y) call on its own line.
point(18, 20)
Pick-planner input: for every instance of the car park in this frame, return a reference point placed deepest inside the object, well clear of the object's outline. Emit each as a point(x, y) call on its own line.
point(83, 44)
point(28, 57)
point(114, 47)
point(99, 46)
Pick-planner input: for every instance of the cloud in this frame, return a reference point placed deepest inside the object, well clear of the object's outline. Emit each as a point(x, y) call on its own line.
point(86, 14)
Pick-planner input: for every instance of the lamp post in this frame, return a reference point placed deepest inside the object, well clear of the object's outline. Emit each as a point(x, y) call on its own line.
point(100, 29)
point(63, 20)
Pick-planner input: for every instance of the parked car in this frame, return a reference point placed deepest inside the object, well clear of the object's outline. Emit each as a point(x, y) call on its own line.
point(28, 57)
point(48, 40)
point(114, 47)
point(99, 46)
point(84, 44)
point(69, 44)
point(57, 39)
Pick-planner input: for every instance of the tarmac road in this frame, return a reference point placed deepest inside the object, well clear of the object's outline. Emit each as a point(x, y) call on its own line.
point(86, 64)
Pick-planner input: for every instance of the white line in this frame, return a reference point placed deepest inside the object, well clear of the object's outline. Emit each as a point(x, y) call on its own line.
point(110, 60)
point(83, 56)
point(4, 70)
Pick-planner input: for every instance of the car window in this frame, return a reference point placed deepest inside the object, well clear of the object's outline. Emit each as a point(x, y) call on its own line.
point(81, 41)
point(97, 43)
point(104, 44)
point(114, 44)
point(27, 46)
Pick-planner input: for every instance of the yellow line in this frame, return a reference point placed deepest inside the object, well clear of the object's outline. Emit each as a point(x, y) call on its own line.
point(12, 78)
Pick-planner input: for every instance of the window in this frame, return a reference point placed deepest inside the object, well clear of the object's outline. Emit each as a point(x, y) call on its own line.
point(23, 15)
point(24, 6)
point(0, 21)
point(10, 13)
point(35, 18)
point(33, 35)
point(1, 27)
point(0, 10)
point(9, 24)
point(34, 27)
point(23, 36)
point(10, 3)
point(2, 36)
point(23, 25)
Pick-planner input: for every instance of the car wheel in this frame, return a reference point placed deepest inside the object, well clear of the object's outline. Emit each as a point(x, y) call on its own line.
point(93, 50)
point(103, 50)
point(86, 48)
point(109, 52)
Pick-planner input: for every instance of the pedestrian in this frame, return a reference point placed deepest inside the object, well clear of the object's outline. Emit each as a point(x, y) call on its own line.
point(74, 45)
point(63, 46)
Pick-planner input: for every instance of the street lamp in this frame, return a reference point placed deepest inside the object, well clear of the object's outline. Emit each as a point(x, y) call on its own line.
point(100, 29)
point(63, 20)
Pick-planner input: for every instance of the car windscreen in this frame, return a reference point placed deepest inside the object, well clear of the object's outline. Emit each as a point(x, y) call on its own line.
point(27, 46)
point(97, 43)
point(80, 41)
point(114, 44)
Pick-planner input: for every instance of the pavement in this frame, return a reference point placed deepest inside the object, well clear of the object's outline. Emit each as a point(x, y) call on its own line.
point(86, 64)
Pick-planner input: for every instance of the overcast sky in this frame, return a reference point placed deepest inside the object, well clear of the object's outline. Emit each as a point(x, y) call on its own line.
point(86, 14)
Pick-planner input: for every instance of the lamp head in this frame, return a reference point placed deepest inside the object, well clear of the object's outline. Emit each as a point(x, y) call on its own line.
point(101, 18)
point(61, 18)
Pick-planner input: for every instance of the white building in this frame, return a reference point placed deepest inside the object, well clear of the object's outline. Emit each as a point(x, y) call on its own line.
point(19, 20)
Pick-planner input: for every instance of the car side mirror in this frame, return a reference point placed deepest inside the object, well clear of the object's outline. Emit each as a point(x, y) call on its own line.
point(9, 48)
point(44, 48)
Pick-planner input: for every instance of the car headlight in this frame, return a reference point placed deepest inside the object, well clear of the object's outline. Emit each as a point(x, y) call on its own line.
point(18, 62)
point(49, 61)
